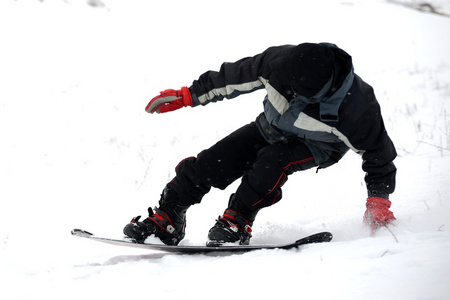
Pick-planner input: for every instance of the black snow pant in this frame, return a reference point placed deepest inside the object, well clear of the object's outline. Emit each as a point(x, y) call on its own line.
point(263, 167)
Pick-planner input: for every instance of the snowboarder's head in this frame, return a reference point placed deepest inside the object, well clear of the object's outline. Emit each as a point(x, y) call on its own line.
point(306, 68)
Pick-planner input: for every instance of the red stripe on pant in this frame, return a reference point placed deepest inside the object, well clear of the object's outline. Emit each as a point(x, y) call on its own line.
point(281, 180)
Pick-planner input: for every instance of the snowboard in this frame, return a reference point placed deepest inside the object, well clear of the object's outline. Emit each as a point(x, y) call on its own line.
point(128, 242)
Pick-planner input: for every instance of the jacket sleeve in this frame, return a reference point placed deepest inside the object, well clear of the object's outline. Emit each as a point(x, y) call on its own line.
point(234, 79)
point(379, 167)
point(378, 152)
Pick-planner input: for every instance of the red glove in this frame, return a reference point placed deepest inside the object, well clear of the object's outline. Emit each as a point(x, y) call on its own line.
point(378, 213)
point(170, 100)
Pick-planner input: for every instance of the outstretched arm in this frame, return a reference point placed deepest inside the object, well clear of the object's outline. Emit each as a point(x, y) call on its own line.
point(232, 79)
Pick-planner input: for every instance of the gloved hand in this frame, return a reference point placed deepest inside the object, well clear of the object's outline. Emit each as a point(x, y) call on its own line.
point(170, 100)
point(377, 213)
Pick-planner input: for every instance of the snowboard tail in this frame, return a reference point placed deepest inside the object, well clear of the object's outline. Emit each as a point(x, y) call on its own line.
point(128, 242)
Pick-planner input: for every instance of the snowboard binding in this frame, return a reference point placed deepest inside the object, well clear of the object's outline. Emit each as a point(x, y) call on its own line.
point(158, 224)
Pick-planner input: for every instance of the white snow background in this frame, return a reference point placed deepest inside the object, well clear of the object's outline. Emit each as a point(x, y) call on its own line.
point(77, 150)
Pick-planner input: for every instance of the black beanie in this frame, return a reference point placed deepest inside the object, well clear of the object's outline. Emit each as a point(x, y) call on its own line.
point(306, 68)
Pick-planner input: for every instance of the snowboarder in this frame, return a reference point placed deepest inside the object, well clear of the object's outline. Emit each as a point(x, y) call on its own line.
point(315, 110)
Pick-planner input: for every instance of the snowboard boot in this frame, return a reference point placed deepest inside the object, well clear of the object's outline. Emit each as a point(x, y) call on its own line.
point(234, 225)
point(167, 223)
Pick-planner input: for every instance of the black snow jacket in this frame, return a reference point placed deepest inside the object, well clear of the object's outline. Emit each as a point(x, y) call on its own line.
point(329, 113)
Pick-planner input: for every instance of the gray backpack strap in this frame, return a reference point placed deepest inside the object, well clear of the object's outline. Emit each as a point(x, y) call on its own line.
point(329, 107)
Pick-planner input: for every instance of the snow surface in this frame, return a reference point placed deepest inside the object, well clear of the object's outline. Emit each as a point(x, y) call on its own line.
point(79, 151)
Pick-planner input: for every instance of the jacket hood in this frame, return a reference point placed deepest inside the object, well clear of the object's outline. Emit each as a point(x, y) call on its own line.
point(308, 67)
